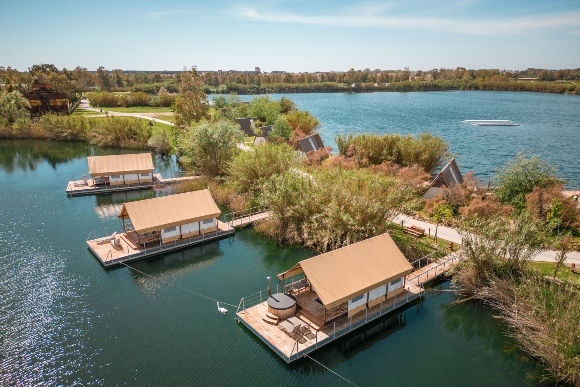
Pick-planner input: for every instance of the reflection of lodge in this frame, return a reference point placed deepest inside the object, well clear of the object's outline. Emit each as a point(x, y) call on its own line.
point(348, 280)
point(159, 225)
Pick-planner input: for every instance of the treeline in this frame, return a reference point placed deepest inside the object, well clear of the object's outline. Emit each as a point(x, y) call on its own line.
point(545, 87)
point(80, 80)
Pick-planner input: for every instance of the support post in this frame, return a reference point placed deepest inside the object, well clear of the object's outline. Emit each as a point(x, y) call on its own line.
point(334, 334)
point(260, 296)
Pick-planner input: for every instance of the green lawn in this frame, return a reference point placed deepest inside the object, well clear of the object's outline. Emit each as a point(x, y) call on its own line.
point(564, 273)
point(138, 109)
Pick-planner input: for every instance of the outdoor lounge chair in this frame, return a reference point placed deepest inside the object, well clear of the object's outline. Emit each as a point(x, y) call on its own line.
point(305, 330)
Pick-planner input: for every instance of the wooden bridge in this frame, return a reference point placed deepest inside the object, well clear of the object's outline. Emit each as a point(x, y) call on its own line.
point(246, 217)
point(432, 270)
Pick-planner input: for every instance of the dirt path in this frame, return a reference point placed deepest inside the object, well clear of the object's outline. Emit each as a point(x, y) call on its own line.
point(451, 234)
point(85, 105)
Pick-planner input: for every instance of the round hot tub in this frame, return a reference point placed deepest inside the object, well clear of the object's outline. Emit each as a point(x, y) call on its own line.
point(282, 305)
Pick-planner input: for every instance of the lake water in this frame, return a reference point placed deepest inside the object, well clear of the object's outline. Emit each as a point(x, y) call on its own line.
point(65, 320)
point(550, 123)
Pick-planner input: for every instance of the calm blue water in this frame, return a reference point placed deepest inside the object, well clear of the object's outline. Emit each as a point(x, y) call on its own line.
point(65, 320)
point(550, 123)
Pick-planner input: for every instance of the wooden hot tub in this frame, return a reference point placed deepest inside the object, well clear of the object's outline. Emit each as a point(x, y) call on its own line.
point(282, 305)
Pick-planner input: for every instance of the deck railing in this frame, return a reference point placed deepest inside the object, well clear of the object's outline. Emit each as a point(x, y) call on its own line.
point(442, 265)
point(345, 325)
point(249, 213)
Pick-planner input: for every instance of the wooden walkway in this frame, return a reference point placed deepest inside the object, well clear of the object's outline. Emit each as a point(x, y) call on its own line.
point(249, 219)
point(128, 250)
point(433, 270)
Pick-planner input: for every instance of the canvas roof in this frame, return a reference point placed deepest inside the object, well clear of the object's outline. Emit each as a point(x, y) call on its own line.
point(342, 274)
point(449, 176)
point(168, 211)
point(120, 164)
point(310, 143)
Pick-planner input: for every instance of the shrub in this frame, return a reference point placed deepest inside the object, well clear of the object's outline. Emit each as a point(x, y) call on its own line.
point(210, 146)
point(248, 171)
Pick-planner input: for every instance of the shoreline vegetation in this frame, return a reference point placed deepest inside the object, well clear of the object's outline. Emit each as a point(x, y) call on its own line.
point(326, 201)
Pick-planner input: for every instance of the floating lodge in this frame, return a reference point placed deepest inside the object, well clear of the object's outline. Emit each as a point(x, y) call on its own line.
point(118, 173)
point(328, 296)
point(155, 226)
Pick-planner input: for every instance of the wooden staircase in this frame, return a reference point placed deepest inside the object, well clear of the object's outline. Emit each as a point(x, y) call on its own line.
point(270, 319)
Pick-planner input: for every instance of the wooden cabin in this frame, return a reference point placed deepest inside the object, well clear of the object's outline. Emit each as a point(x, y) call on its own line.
point(121, 169)
point(246, 126)
point(310, 143)
point(449, 176)
point(169, 218)
point(348, 280)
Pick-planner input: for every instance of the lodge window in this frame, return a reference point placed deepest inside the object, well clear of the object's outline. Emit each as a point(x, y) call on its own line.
point(115, 176)
point(395, 282)
point(357, 298)
point(207, 221)
point(145, 175)
point(169, 229)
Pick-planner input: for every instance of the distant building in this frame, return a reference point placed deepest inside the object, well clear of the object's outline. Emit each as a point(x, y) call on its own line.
point(257, 70)
point(310, 143)
point(449, 176)
point(246, 126)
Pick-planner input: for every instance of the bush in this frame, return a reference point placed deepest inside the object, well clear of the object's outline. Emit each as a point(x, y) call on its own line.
point(324, 214)
point(425, 150)
point(249, 171)
point(210, 146)
point(519, 177)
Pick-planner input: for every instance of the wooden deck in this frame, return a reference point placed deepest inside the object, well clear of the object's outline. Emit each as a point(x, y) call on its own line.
point(311, 312)
point(79, 187)
point(291, 350)
point(129, 250)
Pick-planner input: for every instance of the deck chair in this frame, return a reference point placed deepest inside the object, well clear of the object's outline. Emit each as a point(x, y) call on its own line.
point(307, 332)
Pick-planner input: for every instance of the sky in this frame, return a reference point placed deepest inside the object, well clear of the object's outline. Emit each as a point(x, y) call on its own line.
point(294, 36)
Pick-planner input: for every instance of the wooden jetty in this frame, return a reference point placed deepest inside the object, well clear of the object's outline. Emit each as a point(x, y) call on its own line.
point(159, 225)
point(121, 248)
point(251, 313)
point(120, 173)
point(88, 187)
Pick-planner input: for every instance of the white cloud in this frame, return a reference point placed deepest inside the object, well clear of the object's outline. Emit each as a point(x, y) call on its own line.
point(575, 32)
point(173, 12)
point(498, 26)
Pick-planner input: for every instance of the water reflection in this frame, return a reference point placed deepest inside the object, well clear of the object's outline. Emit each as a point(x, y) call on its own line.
point(109, 205)
point(25, 155)
point(155, 272)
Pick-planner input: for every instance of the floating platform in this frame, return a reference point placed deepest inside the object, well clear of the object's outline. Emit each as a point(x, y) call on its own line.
point(87, 187)
point(290, 350)
point(127, 249)
point(491, 123)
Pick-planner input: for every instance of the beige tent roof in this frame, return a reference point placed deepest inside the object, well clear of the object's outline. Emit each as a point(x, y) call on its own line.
point(168, 211)
point(119, 164)
point(342, 274)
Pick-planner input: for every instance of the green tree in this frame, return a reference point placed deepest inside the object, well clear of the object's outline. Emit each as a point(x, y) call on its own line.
point(281, 128)
point(191, 105)
point(519, 177)
point(300, 120)
point(248, 171)
point(13, 108)
point(210, 146)
point(265, 109)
